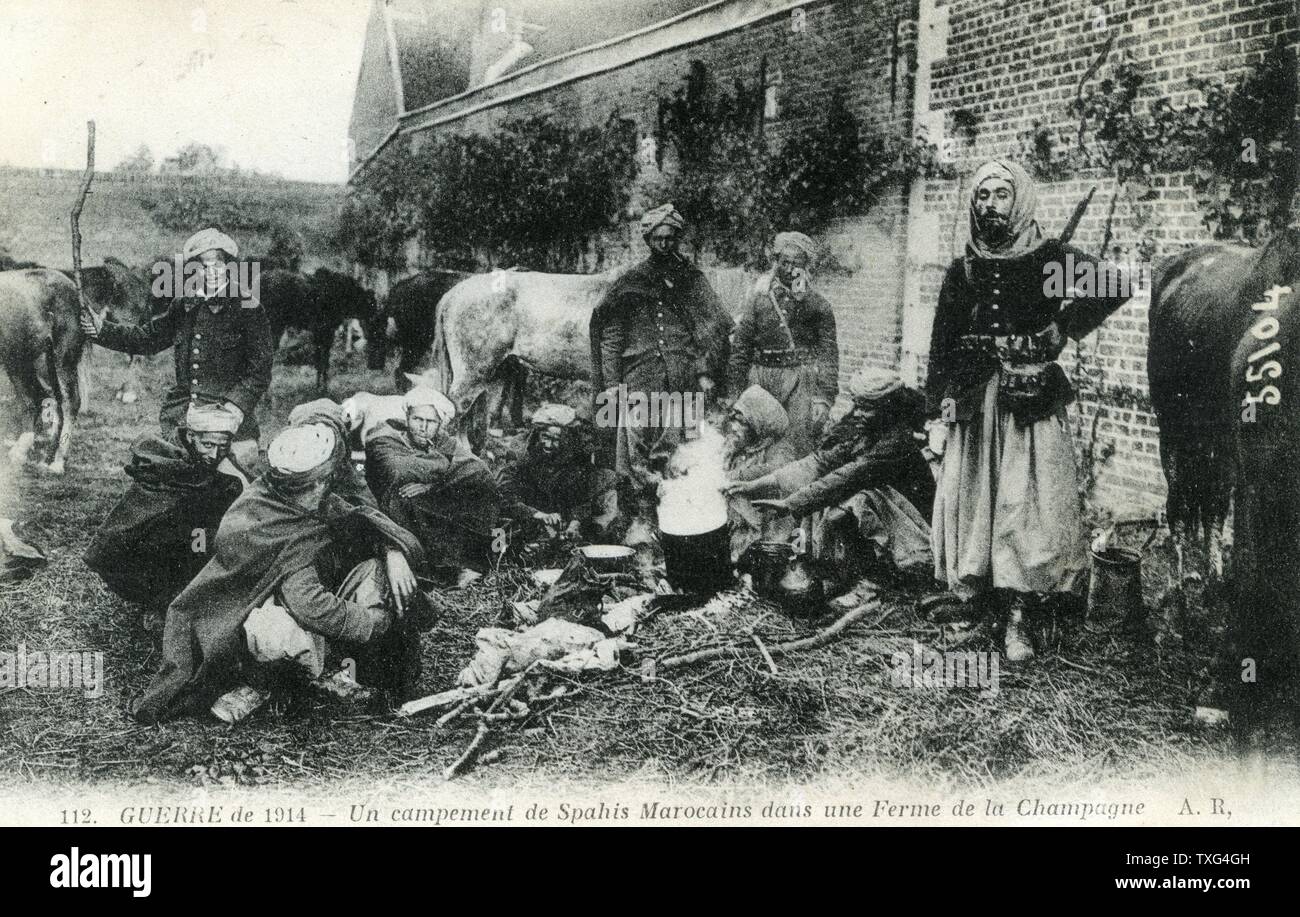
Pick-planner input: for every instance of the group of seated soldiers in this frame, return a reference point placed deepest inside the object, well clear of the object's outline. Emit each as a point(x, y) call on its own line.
point(323, 571)
point(326, 571)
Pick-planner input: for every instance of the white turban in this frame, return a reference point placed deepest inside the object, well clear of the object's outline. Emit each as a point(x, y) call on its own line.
point(667, 215)
point(427, 395)
point(797, 241)
point(871, 384)
point(553, 415)
point(211, 418)
point(302, 455)
point(207, 240)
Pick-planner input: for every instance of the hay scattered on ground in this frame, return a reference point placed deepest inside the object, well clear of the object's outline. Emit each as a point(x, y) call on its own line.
point(1098, 705)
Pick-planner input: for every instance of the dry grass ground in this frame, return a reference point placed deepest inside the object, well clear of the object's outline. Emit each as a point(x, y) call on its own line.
point(1099, 706)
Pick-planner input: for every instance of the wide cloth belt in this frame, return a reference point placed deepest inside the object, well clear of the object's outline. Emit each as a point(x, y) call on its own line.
point(783, 358)
point(1011, 349)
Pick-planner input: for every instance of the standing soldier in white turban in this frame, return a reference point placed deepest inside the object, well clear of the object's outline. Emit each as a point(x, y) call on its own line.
point(220, 340)
point(786, 342)
point(431, 483)
point(1006, 515)
point(659, 330)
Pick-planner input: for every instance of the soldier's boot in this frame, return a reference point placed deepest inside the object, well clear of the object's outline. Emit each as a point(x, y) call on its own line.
point(1017, 643)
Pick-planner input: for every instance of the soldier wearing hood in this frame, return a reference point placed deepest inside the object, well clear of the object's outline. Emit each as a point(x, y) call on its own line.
point(869, 466)
point(305, 573)
point(552, 484)
point(1006, 518)
point(756, 445)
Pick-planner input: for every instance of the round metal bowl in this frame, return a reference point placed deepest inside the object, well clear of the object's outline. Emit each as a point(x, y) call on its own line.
point(608, 558)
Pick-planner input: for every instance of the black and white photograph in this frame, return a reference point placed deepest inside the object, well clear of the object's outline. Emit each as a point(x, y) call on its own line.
point(651, 412)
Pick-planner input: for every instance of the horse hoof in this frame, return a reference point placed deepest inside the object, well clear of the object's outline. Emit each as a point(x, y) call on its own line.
point(129, 397)
point(17, 459)
point(55, 468)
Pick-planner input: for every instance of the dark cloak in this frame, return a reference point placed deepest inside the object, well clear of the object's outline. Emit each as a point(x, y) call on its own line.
point(262, 539)
point(146, 549)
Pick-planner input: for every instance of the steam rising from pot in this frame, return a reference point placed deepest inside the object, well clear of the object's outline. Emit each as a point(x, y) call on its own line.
point(690, 496)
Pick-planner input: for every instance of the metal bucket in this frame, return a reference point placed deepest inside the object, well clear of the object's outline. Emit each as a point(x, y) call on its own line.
point(768, 562)
point(1115, 589)
point(698, 563)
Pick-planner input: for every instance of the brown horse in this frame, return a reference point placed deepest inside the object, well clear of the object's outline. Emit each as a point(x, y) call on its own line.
point(41, 343)
point(1224, 368)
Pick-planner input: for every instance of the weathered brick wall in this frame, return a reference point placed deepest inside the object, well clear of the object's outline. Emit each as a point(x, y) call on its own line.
point(1006, 65)
point(827, 46)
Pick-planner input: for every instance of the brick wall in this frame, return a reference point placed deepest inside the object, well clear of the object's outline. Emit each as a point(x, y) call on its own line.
point(826, 46)
point(908, 64)
point(1010, 64)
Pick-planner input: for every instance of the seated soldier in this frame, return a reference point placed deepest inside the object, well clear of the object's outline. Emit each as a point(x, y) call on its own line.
point(429, 482)
point(550, 487)
point(756, 445)
point(870, 466)
point(159, 535)
point(303, 575)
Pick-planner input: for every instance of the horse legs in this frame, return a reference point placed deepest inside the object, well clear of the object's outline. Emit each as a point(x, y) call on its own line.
point(31, 385)
point(511, 378)
point(408, 362)
point(323, 339)
point(1180, 554)
point(472, 415)
point(518, 382)
point(129, 391)
point(1214, 551)
point(83, 378)
point(69, 388)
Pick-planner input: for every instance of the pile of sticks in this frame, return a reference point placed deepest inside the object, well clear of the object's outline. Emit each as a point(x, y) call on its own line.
point(494, 704)
point(501, 703)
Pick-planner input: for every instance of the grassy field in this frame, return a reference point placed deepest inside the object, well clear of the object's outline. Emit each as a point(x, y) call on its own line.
point(1099, 706)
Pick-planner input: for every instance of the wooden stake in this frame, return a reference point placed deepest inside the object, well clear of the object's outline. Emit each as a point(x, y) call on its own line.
point(87, 177)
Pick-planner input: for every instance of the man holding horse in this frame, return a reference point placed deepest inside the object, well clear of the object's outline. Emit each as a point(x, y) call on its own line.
point(220, 340)
point(659, 331)
point(1006, 519)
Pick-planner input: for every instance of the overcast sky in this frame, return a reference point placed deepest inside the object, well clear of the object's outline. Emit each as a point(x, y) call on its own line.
point(271, 81)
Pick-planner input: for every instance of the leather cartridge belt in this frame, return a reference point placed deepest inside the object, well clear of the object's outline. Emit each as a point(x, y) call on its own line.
point(784, 358)
point(1013, 349)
